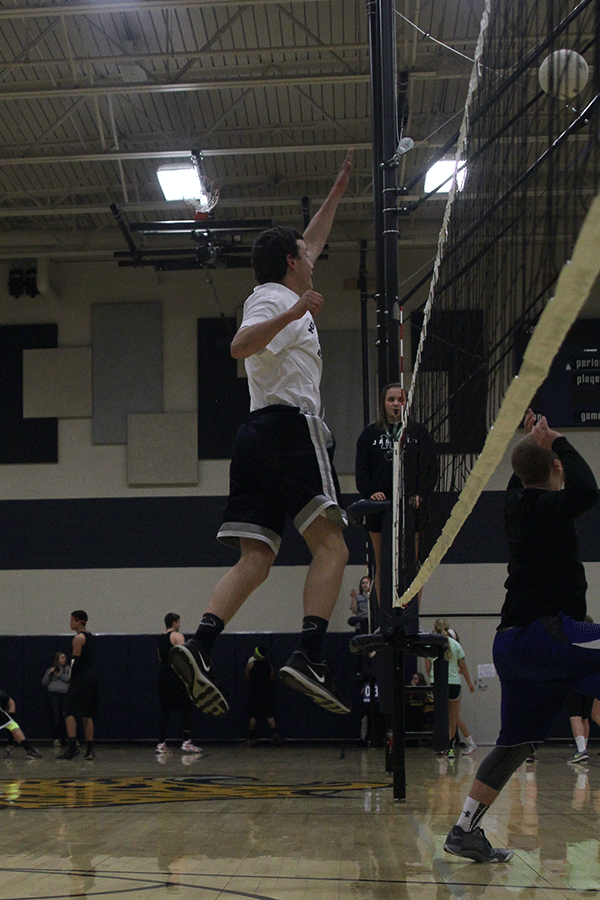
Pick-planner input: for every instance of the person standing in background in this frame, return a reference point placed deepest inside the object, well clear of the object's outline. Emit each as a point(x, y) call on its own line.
point(260, 675)
point(14, 733)
point(56, 682)
point(82, 698)
point(171, 692)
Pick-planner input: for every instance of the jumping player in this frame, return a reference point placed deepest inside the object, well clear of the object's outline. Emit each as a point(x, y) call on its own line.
point(543, 648)
point(281, 463)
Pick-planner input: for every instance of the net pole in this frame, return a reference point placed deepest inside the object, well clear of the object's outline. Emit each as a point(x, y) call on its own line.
point(384, 111)
point(373, 13)
point(364, 330)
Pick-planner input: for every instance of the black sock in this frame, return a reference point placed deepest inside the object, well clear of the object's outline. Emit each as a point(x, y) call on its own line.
point(26, 745)
point(208, 631)
point(90, 746)
point(311, 639)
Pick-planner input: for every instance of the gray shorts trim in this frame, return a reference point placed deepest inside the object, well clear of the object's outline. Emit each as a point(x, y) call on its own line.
point(231, 532)
point(320, 506)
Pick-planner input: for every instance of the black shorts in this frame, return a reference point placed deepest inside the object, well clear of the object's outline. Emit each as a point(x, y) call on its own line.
point(261, 703)
point(82, 697)
point(419, 515)
point(454, 691)
point(281, 463)
point(172, 693)
point(579, 705)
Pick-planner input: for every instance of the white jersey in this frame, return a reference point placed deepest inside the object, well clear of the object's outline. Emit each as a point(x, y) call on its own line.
point(288, 370)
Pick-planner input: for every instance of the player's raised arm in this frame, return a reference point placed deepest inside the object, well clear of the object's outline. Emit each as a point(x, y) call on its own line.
point(317, 230)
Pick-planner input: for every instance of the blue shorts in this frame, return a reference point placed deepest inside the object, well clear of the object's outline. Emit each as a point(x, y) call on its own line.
point(538, 666)
point(281, 463)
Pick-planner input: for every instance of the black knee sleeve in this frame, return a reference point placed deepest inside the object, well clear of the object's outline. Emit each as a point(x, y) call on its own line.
point(498, 766)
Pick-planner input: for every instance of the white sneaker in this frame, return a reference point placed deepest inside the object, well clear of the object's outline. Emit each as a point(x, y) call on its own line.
point(162, 748)
point(190, 748)
point(471, 746)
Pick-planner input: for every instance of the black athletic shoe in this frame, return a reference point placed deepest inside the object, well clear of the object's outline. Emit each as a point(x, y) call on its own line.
point(313, 679)
point(474, 845)
point(70, 753)
point(90, 755)
point(32, 753)
point(194, 668)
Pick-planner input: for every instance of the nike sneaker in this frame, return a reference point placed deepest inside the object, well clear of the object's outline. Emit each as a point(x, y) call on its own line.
point(194, 668)
point(313, 679)
point(579, 757)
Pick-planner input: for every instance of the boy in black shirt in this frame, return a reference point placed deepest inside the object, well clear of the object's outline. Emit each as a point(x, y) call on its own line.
point(543, 649)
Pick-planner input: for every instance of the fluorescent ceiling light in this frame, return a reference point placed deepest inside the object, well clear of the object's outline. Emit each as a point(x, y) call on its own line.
point(180, 182)
point(440, 176)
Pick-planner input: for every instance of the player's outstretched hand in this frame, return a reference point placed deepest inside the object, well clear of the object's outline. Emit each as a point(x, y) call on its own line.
point(343, 179)
point(543, 434)
point(529, 421)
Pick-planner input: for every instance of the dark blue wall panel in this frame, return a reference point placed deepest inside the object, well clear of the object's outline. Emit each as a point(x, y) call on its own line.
point(127, 667)
point(142, 532)
point(23, 440)
point(172, 532)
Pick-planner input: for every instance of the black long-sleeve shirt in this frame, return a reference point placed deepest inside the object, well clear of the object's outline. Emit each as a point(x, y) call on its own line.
point(545, 573)
point(374, 467)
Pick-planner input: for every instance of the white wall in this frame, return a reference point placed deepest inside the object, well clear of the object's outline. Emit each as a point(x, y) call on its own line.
point(123, 600)
point(135, 600)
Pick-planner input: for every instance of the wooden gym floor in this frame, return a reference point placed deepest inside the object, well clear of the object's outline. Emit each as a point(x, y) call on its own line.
point(295, 823)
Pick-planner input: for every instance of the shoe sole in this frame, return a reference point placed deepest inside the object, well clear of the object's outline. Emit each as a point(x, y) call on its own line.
point(299, 682)
point(580, 759)
point(476, 857)
point(203, 693)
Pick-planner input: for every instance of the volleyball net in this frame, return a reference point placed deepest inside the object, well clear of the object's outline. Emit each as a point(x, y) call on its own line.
point(518, 252)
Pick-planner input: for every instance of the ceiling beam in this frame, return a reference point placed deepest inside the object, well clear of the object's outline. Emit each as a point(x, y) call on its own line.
point(102, 89)
point(123, 6)
point(124, 156)
point(95, 209)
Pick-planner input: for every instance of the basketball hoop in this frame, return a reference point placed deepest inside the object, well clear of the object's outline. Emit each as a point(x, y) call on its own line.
point(209, 193)
point(208, 199)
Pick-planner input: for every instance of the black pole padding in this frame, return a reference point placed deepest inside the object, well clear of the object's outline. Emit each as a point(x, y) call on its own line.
point(399, 729)
point(440, 737)
point(363, 285)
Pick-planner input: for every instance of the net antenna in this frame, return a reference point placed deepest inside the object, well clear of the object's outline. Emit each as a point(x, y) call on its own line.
point(208, 191)
point(518, 248)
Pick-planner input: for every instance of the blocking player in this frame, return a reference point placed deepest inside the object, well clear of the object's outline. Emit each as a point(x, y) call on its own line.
point(543, 648)
point(281, 463)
